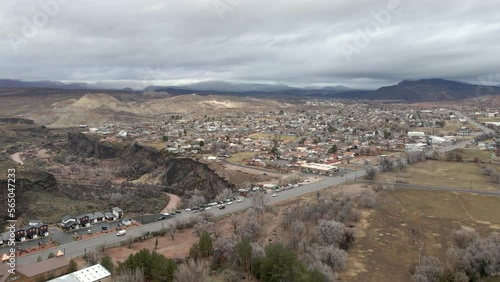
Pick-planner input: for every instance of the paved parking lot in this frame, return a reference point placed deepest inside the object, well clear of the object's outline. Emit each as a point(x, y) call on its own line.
point(150, 218)
point(96, 227)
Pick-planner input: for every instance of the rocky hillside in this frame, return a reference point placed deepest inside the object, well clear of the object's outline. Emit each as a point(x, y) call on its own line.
point(183, 175)
point(146, 165)
point(27, 184)
point(86, 147)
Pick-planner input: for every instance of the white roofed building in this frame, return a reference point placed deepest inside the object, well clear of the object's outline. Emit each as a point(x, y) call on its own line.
point(93, 273)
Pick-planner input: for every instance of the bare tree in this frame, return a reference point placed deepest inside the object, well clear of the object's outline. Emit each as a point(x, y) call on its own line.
point(495, 176)
point(171, 228)
point(330, 231)
point(385, 164)
point(249, 228)
point(192, 271)
point(234, 221)
point(196, 200)
point(371, 172)
point(464, 237)
point(401, 164)
point(92, 257)
point(488, 170)
point(259, 199)
point(332, 256)
point(367, 199)
point(225, 194)
point(130, 275)
point(431, 270)
point(129, 240)
point(206, 215)
point(204, 226)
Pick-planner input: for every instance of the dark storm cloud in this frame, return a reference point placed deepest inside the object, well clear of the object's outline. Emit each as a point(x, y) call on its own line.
point(362, 43)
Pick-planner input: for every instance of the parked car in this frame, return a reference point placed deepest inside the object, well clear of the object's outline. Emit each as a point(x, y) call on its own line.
point(162, 217)
point(239, 200)
point(222, 207)
point(104, 227)
point(121, 233)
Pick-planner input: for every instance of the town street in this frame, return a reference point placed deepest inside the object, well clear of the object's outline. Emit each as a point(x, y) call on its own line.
point(79, 248)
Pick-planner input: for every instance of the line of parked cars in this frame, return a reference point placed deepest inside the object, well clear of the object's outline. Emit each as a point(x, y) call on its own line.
point(220, 205)
point(165, 215)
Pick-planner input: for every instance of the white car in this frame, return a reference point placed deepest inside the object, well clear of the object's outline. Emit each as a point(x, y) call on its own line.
point(275, 195)
point(208, 208)
point(187, 209)
point(239, 200)
point(229, 203)
point(165, 213)
point(121, 233)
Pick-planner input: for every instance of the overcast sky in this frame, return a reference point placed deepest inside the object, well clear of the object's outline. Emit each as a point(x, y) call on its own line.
point(356, 43)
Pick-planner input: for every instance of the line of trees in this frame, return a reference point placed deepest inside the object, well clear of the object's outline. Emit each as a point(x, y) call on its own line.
point(469, 259)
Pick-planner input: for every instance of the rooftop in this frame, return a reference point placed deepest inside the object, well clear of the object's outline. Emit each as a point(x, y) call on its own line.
point(89, 274)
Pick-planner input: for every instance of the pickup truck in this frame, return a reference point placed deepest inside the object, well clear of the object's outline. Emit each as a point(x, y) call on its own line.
point(121, 233)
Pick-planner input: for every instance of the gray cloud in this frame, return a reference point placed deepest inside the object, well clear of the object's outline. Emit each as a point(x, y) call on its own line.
point(357, 43)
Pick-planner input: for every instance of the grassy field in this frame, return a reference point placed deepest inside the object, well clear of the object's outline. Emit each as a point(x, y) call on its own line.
point(409, 223)
point(485, 156)
point(284, 138)
point(488, 119)
point(464, 175)
point(239, 157)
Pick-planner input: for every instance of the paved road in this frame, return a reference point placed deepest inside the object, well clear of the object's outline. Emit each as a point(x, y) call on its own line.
point(78, 248)
point(473, 122)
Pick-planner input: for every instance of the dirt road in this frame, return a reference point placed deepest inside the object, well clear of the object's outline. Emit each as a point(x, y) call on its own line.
point(172, 204)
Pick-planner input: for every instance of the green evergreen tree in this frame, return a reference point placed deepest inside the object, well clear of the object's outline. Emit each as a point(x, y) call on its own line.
point(205, 245)
point(72, 266)
point(107, 262)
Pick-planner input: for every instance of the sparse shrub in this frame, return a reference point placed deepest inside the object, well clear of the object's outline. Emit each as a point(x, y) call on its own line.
point(371, 172)
point(377, 187)
point(367, 199)
point(385, 165)
point(355, 215)
point(431, 270)
point(464, 237)
point(477, 160)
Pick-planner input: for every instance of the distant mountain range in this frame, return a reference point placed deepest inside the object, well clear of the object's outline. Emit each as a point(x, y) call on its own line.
point(407, 90)
point(223, 86)
point(12, 83)
point(425, 90)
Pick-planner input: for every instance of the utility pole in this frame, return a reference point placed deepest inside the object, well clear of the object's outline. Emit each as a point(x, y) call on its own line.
point(345, 173)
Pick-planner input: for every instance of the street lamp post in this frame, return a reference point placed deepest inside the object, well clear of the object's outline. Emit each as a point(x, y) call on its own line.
point(345, 173)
